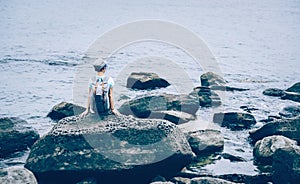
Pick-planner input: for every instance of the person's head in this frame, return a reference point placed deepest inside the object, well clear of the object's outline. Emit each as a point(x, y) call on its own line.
point(99, 65)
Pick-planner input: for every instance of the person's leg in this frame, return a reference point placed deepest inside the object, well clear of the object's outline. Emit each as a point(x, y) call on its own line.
point(92, 103)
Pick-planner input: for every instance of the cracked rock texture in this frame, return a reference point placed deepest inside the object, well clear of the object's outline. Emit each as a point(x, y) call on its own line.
point(110, 149)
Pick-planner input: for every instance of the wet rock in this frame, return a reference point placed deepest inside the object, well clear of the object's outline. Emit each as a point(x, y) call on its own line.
point(264, 149)
point(248, 109)
point(181, 180)
point(176, 117)
point(290, 111)
point(159, 179)
point(270, 119)
point(295, 88)
point(16, 174)
point(237, 178)
point(64, 109)
point(292, 93)
point(287, 127)
point(209, 180)
point(145, 81)
point(116, 149)
point(211, 79)
point(205, 142)
point(234, 120)
point(150, 106)
point(274, 92)
point(15, 135)
point(232, 158)
point(249, 179)
point(286, 165)
point(206, 97)
point(291, 96)
point(227, 88)
point(88, 181)
point(216, 82)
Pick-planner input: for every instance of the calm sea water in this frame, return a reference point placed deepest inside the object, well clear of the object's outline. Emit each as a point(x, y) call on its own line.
point(42, 43)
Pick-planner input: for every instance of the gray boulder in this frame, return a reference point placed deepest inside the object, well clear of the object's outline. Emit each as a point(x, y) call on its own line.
point(177, 117)
point(286, 127)
point(209, 180)
point(206, 97)
point(205, 142)
point(286, 165)
point(115, 149)
point(15, 135)
point(144, 80)
point(216, 82)
point(264, 149)
point(211, 79)
point(291, 96)
point(16, 174)
point(274, 92)
point(165, 104)
point(292, 93)
point(234, 120)
point(295, 88)
point(64, 109)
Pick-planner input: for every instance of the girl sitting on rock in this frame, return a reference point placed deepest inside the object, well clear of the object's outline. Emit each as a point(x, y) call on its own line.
point(100, 92)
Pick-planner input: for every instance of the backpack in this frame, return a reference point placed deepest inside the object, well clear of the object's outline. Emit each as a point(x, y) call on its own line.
point(101, 96)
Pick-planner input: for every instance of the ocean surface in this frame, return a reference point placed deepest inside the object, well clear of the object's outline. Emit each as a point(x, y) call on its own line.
point(42, 43)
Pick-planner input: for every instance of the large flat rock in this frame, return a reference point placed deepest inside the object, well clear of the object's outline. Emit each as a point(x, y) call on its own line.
point(116, 149)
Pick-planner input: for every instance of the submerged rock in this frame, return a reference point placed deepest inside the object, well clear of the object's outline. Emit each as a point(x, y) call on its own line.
point(264, 149)
point(88, 181)
point(248, 109)
point(249, 179)
point(290, 111)
point(209, 180)
point(211, 79)
point(234, 120)
point(16, 174)
point(292, 93)
point(144, 80)
point(64, 109)
point(151, 106)
point(15, 136)
point(227, 88)
point(116, 149)
point(205, 142)
point(206, 97)
point(185, 177)
point(274, 92)
point(232, 158)
point(286, 165)
point(287, 127)
point(271, 118)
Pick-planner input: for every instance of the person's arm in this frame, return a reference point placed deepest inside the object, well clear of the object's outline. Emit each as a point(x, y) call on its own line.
point(111, 102)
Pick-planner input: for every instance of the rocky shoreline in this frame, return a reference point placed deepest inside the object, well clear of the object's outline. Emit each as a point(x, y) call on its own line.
point(146, 145)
